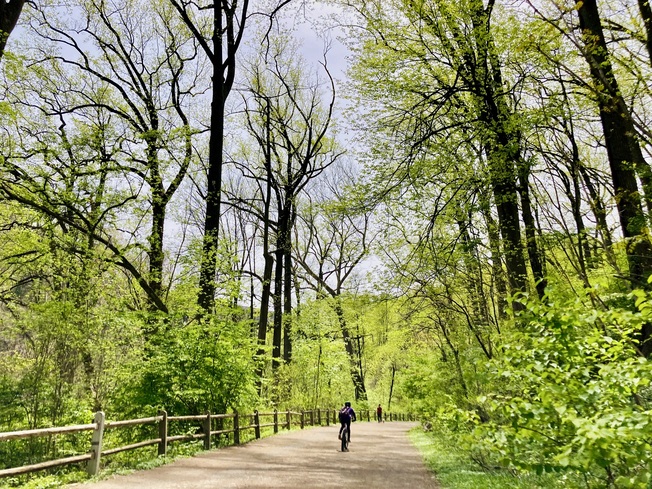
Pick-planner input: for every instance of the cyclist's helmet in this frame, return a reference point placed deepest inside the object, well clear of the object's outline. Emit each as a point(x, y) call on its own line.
point(347, 404)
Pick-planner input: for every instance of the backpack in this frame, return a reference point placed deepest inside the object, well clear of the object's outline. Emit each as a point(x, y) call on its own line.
point(345, 414)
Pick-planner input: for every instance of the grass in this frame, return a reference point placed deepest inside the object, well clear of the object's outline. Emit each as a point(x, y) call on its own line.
point(454, 470)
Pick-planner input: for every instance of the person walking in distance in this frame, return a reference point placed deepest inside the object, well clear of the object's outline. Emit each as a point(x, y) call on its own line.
point(346, 415)
point(379, 413)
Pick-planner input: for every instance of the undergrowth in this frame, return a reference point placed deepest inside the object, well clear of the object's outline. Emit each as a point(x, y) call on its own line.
point(454, 469)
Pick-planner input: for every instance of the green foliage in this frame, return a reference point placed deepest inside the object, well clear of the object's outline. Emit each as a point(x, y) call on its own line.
point(192, 367)
point(453, 468)
point(62, 368)
point(318, 376)
point(572, 394)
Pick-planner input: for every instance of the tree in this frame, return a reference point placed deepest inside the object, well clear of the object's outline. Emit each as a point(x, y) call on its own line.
point(622, 146)
point(133, 107)
point(9, 13)
point(289, 115)
point(453, 81)
point(336, 238)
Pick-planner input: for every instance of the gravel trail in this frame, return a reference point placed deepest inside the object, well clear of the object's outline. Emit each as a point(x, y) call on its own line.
point(380, 457)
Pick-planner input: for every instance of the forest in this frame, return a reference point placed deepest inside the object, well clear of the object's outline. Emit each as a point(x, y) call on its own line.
point(439, 206)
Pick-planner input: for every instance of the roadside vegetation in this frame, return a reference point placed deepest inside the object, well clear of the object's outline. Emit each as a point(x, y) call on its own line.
point(199, 214)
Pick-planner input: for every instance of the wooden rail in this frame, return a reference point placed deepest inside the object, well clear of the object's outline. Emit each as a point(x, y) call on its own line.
point(279, 419)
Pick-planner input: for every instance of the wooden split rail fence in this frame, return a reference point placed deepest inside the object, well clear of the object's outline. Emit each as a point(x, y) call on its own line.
point(239, 423)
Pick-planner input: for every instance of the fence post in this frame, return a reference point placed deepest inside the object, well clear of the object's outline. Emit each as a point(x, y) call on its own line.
point(312, 417)
point(302, 416)
point(163, 432)
point(236, 429)
point(288, 419)
point(319, 417)
point(328, 417)
point(207, 431)
point(257, 424)
point(275, 421)
point(93, 466)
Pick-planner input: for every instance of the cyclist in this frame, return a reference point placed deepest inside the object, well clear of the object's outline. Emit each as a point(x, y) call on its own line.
point(347, 414)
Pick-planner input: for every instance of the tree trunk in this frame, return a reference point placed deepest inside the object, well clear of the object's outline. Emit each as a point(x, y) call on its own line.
point(600, 214)
point(501, 146)
point(646, 14)
point(357, 375)
point(9, 12)
point(583, 249)
point(156, 248)
point(474, 284)
point(278, 309)
point(263, 320)
point(391, 389)
point(623, 148)
point(498, 274)
point(456, 356)
point(269, 258)
point(287, 305)
point(535, 256)
point(280, 281)
point(206, 297)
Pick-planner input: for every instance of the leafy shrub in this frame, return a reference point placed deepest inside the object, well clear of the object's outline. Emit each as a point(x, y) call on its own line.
point(573, 394)
point(191, 368)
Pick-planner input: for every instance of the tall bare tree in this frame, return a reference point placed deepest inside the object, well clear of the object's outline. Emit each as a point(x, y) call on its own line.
point(289, 114)
point(334, 239)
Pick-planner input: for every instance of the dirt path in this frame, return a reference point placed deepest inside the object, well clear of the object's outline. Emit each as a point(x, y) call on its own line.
point(380, 457)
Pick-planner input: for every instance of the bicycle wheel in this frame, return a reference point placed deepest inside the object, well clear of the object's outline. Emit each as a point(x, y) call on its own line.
point(345, 440)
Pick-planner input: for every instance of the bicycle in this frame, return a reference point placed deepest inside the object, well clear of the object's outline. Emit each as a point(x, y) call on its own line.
point(345, 439)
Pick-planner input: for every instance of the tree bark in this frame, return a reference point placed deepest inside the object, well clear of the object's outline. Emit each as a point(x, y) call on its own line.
point(278, 309)
point(600, 214)
point(206, 297)
point(229, 21)
point(287, 304)
point(357, 375)
point(534, 254)
point(623, 148)
point(501, 145)
point(9, 13)
point(498, 274)
point(646, 14)
point(269, 258)
point(288, 277)
point(583, 248)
